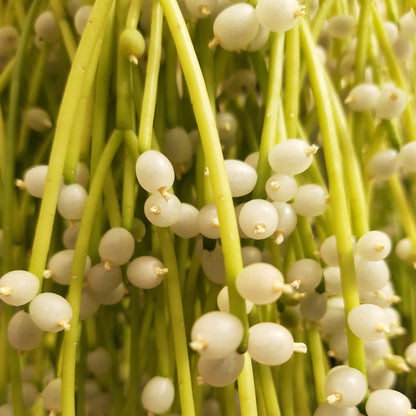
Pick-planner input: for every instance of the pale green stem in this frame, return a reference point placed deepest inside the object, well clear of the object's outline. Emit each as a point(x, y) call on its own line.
point(136, 323)
point(160, 327)
point(268, 389)
point(19, 10)
point(65, 28)
point(352, 171)
point(73, 91)
point(111, 201)
point(4, 345)
point(102, 90)
point(6, 74)
point(170, 71)
point(292, 67)
point(8, 195)
point(404, 208)
point(33, 94)
point(228, 400)
point(318, 366)
point(334, 166)
point(363, 34)
point(395, 72)
point(271, 134)
point(124, 104)
point(100, 121)
point(246, 389)
point(77, 131)
point(77, 272)
point(212, 150)
point(133, 14)
point(151, 80)
point(177, 322)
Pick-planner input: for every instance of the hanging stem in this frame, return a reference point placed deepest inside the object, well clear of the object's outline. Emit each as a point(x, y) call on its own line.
point(77, 273)
point(82, 60)
point(334, 166)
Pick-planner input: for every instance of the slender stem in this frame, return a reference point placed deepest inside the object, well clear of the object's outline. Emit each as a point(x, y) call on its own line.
point(9, 190)
point(11, 133)
point(102, 88)
point(228, 400)
point(151, 80)
point(132, 399)
point(404, 208)
point(171, 66)
point(212, 150)
point(246, 389)
point(363, 34)
point(133, 14)
point(334, 165)
point(33, 94)
point(318, 366)
point(292, 67)
point(395, 71)
point(6, 74)
point(269, 390)
point(177, 321)
point(77, 132)
point(74, 295)
point(270, 133)
point(67, 113)
point(352, 170)
point(160, 325)
point(65, 28)
point(111, 201)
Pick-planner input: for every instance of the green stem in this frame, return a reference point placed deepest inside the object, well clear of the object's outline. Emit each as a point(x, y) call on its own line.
point(65, 28)
point(270, 134)
point(6, 75)
point(395, 72)
point(177, 321)
point(318, 365)
point(151, 80)
point(268, 389)
point(171, 62)
point(334, 166)
point(74, 295)
point(111, 202)
point(78, 129)
point(132, 399)
point(102, 88)
point(67, 113)
point(404, 208)
point(227, 397)
point(292, 67)
point(160, 325)
point(212, 150)
point(352, 171)
point(9, 190)
point(246, 389)
point(33, 94)
point(363, 33)
point(11, 134)
point(133, 14)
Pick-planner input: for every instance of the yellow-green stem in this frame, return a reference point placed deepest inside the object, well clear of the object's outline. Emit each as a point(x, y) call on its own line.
point(82, 60)
point(212, 150)
point(270, 134)
point(334, 166)
point(77, 273)
point(177, 322)
point(151, 80)
point(318, 366)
